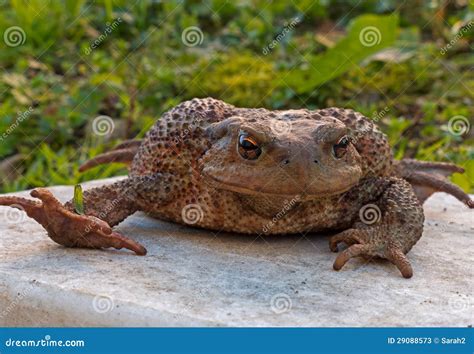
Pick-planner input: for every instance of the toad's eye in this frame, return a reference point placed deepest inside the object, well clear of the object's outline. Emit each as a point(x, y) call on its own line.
point(340, 148)
point(248, 147)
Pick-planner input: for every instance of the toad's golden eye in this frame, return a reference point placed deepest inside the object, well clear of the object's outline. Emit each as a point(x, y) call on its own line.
point(340, 148)
point(248, 147)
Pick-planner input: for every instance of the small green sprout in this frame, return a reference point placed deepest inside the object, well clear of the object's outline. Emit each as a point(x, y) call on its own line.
point(78, 200)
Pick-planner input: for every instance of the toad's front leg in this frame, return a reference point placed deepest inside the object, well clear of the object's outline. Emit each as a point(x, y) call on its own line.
point(104, 207)
point(387, 228)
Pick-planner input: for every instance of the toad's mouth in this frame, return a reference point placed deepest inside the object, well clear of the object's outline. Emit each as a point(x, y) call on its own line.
point(300, 193)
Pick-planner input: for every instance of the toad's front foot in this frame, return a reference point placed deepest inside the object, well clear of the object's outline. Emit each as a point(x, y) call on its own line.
point(68, 228)
point(388, 227)
point(369, 243)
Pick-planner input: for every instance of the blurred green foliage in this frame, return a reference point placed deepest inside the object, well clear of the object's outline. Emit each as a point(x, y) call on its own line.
point(126, 60)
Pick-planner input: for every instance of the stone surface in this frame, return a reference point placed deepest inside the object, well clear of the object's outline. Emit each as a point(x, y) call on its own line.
point(193, 277)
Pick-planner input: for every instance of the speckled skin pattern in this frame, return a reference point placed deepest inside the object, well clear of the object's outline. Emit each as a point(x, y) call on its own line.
point(190, 169)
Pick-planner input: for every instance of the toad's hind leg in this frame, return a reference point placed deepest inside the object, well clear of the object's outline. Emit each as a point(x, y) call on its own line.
point(122, 153)
point(387, 228)
point(104, 207)
point(427, 178)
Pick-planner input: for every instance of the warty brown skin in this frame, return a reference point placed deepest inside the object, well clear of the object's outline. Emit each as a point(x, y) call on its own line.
point(209, 164)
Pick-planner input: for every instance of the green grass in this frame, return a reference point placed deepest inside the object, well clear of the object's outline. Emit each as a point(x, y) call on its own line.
point(54, 84)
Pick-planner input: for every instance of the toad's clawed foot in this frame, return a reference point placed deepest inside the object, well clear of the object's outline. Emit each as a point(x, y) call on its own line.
point(388, 228)
point(361, 244)
point(68, 228)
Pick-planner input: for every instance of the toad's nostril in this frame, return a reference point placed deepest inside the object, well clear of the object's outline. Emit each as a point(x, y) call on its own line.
point(286, 162)
point(316, 161)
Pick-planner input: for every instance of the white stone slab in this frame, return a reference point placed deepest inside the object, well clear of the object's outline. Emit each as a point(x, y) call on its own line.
point(193, 277)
